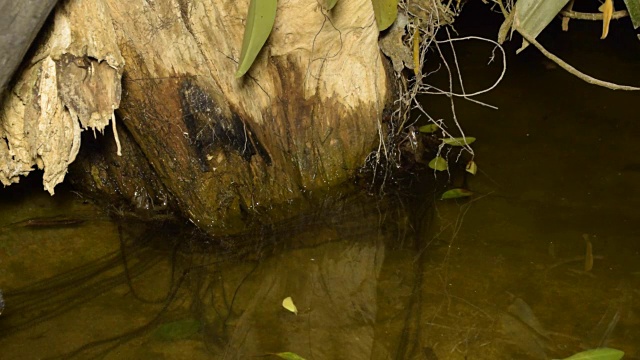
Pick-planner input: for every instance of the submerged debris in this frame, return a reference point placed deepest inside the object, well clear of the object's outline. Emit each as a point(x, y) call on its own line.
point(47, 222)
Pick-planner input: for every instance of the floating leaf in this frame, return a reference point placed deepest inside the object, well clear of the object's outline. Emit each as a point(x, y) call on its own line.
point(598, 354)
point(438, 164)
point(288, 304)
point(288, 356)
point(471, 168)
point(260, 20)
point(329, 4)
point(459, 141)
point(386, 12)
point(428, 129)
point(455, 194)
point(177, 330)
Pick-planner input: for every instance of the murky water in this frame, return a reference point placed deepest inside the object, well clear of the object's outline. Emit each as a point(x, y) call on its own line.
point(501, 276)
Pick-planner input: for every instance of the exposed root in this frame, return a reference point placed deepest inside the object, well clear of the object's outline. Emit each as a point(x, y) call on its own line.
point(425, 20)
point(115, 135)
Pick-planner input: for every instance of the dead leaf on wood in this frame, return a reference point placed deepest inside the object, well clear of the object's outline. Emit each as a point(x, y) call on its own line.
point(393, 47)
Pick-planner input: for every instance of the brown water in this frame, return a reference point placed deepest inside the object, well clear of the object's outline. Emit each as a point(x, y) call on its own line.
point(501, 276)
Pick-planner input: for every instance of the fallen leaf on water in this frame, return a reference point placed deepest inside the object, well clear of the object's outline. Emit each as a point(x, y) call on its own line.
point(287, 303)
point(456, 194)
point(459, 141)
point(472, 167)
point(428, 129)
point(438, 164)
point(607, 11)
point(288, 356)
point(598, 354)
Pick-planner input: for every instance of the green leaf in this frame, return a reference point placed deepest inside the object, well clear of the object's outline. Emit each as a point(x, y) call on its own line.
point(329, 4)
point(386, 12)
point(260, 20)
point(428, 129)
point(455, 194)
point(438, 164)
point(459, 141)
point(177, 330)
point(598, 354)
point(288, 356)
point(633, 7)
point(532, 16)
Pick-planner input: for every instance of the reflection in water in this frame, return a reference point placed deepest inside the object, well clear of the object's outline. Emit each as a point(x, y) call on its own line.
point(161, 290)
point(394, 278)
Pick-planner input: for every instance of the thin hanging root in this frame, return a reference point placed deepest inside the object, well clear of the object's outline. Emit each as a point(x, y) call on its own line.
point(115, 134)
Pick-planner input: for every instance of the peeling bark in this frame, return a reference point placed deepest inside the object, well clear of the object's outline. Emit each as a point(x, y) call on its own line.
point(71, 83)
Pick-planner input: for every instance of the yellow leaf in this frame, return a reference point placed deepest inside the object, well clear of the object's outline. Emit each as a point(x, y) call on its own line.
point(607, 12)
point(472, 168)
point(416, 51)
point(287, 303)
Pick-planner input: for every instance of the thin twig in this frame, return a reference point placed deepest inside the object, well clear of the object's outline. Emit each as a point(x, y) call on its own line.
point(571, 69)
point(593, 16)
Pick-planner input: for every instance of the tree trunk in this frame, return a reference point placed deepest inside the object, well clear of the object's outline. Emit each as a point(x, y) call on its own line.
point(227, 150)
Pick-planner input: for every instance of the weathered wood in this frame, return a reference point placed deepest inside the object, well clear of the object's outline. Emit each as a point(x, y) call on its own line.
point(20, 21)
point(231, 150)
point(71, 83)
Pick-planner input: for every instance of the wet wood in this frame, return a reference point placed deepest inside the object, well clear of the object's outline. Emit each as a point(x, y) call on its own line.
point(47, 222)
point(230, 152)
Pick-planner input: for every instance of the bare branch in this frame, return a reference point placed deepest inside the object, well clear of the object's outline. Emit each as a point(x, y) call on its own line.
point(571, 69)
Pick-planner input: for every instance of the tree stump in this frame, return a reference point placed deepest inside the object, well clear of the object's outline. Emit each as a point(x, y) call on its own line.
point(227, 150)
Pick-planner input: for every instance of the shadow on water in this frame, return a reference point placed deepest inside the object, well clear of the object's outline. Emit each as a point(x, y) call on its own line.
point(505, 275)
